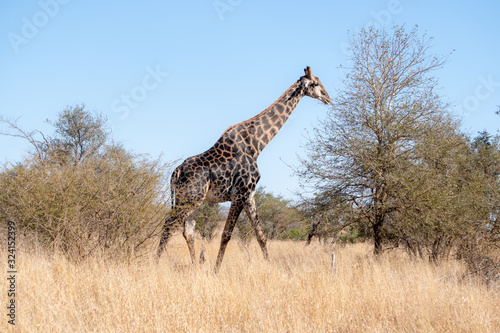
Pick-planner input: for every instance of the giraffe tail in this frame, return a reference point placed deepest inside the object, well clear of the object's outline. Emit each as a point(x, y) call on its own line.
point(165, 236)
point(173, 182)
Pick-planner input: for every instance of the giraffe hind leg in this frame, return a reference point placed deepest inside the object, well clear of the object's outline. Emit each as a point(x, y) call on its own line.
point(188, 233)
point(177, 217)
point(165, 236)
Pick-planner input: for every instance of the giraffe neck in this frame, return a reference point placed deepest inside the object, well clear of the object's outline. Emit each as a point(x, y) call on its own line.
point(263, 127)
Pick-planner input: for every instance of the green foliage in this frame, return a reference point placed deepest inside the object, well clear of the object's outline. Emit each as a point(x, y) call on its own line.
point(277, 216)
point(299, 233)
point(349, 236)
point(208, 218)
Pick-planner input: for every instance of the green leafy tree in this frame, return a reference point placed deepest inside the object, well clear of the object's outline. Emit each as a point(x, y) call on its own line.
point(480, 247)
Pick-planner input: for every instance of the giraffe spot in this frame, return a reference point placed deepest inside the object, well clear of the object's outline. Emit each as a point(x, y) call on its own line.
point(255, 143)
point(260, 132)
point(280, 107)
point(251, 129)
point(266, 126)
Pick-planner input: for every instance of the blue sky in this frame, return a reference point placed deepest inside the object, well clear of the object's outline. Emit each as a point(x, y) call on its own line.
point(171, 76)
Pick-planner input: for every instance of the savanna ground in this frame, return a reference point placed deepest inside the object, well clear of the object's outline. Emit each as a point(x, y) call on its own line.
point(295, 291)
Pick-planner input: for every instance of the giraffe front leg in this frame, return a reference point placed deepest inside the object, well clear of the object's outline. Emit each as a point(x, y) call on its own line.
point(234, 212)
point(251, 210)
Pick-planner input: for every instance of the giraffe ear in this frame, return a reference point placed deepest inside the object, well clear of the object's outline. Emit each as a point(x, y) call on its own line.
point(308, 72)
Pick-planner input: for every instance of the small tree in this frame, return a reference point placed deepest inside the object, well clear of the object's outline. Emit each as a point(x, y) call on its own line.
point(80, 134)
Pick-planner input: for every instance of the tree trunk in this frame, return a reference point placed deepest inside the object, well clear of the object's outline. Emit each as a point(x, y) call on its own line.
point(377, 235)
point(312, 233)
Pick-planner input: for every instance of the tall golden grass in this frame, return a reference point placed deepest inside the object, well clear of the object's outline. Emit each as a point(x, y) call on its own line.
point(295, 291)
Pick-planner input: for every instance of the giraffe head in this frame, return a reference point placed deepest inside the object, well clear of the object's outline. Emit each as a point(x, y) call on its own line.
point(313, 87)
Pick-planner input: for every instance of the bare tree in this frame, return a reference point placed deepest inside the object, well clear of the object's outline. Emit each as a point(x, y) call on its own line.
point(387, 104)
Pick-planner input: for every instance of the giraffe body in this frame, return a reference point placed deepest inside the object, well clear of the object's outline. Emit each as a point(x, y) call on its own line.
point(228, 170)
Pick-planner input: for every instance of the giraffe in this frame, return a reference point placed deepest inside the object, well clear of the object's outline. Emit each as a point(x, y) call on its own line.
point(228, 170)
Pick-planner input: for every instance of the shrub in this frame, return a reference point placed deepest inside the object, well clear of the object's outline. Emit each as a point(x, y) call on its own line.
point(82, 200)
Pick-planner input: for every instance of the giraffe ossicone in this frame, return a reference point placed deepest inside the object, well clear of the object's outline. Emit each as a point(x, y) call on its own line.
point(228, 170)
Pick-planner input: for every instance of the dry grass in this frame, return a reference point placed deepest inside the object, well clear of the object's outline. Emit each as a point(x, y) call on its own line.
point(294, 292)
